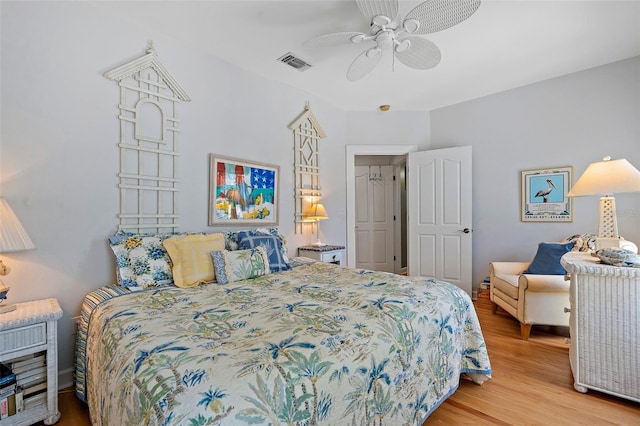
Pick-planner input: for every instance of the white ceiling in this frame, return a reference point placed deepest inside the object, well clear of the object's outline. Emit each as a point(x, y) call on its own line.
point(505, 44)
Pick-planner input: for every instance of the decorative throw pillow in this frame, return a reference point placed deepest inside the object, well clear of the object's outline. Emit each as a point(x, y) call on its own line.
point(271, 244)
point(547, 259)
point(142, 260)
point(232, 238)
point(618, 257)
point(240, 264)
point(191, 257)
point(584, 242)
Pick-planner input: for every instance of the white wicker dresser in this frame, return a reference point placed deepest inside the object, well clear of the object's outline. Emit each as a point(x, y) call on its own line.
point(604, 326)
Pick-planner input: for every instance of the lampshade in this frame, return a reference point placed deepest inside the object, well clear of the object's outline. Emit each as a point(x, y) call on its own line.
point(316, 212)
point(13, 237)
point(607, 177)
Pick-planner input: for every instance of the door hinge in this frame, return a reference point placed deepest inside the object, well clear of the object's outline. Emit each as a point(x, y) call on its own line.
point(394, 177)
point(394, 217)
point(394, 258)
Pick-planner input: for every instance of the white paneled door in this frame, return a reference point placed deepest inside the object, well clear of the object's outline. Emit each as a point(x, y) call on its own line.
point(439, 210)
point(374, 218)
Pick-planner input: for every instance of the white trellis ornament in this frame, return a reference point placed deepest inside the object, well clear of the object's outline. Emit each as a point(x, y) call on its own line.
point(306, 134)
point(149, 126)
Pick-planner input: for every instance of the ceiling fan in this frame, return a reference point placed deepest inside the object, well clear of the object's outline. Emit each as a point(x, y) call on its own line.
point(388, 30)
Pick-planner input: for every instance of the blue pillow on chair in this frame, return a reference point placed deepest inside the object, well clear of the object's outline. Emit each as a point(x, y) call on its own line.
point(547, 259)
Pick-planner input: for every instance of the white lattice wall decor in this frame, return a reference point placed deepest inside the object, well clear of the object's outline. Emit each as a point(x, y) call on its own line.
point(149, 126)
point(306, 134)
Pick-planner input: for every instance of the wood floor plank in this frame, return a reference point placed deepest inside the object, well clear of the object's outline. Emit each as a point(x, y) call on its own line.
point(531, 382)
point(531, 385)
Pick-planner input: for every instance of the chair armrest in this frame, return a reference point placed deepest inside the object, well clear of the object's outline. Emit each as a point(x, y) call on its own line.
point(543, 283)
point(507, 268)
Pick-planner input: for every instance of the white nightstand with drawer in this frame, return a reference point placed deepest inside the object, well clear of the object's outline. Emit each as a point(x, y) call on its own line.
point(328, 253)
point(31, 328)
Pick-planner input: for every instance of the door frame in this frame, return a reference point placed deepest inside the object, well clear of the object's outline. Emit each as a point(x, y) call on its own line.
point(351, 152)
point(397, 211)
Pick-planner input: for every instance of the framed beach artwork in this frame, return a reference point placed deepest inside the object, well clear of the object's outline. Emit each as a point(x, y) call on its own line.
point(242, 192)
point(544, 195)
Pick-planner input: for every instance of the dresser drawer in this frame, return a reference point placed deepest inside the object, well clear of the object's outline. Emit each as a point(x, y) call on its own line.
point(21, 338)
point(332, 257)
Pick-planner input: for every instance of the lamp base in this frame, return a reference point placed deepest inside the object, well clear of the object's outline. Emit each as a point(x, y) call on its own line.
point(7, 308)
point(602, 242)
point(607, 224)
point(318, 244)
point(615, 242)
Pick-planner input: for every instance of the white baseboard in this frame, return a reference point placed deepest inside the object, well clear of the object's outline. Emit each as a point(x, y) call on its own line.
point(65, 378)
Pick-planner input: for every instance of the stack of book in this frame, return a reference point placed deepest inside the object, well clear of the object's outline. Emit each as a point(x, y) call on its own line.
point(8, 389)
point(28, 386)
point(486, 283)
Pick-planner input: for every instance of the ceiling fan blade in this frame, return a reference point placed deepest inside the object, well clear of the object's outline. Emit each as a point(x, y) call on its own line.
point(421, 54)
point(438, 15)
point(363, 64)
point(334, 39)
point(372, 8)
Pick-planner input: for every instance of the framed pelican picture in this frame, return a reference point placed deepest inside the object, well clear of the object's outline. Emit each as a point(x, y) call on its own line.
point(242, 192)
point(544, 195)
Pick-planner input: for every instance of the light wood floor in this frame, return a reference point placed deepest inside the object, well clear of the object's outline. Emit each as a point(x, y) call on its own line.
point(531, 385)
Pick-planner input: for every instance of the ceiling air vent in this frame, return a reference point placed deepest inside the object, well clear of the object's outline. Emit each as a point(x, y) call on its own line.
point(293, 61)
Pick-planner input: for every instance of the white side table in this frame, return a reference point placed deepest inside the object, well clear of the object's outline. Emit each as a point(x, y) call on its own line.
point(328, 253)
point(33, 328)
point(605, 331)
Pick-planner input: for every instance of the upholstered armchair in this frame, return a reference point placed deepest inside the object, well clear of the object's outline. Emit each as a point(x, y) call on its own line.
point(536, 292)
point(531, 299)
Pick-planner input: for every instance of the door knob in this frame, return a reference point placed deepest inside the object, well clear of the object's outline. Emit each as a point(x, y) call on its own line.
point(465, 230)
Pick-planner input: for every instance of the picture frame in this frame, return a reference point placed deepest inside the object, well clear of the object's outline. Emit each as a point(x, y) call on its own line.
point(544, 195)
point(242, 192)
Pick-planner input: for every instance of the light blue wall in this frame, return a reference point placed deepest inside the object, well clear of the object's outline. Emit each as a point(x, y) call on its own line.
point(572, 120)
point(59, 136)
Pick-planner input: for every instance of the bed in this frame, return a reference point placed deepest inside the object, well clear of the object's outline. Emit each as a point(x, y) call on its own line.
point(317, 344)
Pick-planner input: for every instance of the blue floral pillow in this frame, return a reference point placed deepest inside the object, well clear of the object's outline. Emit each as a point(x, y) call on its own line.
point(618, 257)
point(547, 259)
point(239, 264)
point(271, 244)
point(142, 260)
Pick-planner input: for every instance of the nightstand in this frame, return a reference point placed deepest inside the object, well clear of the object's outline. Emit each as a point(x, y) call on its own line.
point(328, 253)
point(33, 328)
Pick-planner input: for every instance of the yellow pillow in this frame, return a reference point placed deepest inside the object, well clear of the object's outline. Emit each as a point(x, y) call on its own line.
point(191, 257)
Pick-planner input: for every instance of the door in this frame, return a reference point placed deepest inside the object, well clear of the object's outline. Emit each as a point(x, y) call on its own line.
point(439, 210)
point(374, 218)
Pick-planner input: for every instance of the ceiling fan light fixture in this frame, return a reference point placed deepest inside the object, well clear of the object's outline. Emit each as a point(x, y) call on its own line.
point(411, 25)
point(381, 20)
point(373, 52)
point(359, 38)
point(384, 107)
point(403, 45)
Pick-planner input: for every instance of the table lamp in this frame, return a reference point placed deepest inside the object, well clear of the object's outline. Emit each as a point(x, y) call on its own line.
point(13, 237)
point(316, 213)
point(606, 178)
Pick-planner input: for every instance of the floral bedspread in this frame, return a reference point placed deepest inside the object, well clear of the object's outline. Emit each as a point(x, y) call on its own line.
point(317, 345)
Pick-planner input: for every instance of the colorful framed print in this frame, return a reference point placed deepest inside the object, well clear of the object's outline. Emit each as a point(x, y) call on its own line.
point(242, 192)
point(544, 195)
